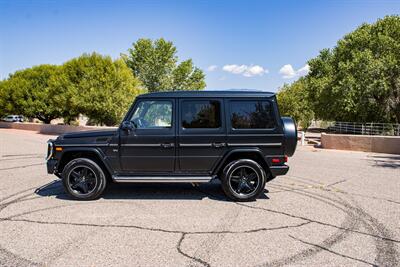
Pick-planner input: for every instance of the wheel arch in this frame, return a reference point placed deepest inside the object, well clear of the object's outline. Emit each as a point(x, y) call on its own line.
point(83, 152)
point(242, 153)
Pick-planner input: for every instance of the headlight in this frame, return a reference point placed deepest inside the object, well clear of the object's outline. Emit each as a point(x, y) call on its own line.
point(49, 150)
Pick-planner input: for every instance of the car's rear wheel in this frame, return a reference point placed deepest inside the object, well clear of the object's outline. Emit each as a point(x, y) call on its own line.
point(83, 179)
point(243, 180)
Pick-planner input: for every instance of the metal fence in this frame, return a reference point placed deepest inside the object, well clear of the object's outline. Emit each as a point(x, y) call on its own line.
point(372, 128)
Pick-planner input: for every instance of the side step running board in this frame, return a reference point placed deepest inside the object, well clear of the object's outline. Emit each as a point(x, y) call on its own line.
point(161, 179)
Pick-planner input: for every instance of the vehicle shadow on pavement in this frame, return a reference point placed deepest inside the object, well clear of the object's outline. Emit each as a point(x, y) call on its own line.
point(385, 161)
point(173, 191)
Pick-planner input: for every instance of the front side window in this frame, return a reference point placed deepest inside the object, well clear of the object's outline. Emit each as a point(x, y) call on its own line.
point(153, 114)
point(252, 115)
point(201, 114)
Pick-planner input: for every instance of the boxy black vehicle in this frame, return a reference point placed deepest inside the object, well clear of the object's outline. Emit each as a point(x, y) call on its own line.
point(186, 136)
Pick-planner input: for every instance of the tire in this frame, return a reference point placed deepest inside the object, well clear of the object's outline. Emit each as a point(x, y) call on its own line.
point(243, 186)
point(81, 171)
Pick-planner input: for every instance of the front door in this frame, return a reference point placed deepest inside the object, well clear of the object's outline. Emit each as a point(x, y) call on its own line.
point(202, 137)
point(150, 147)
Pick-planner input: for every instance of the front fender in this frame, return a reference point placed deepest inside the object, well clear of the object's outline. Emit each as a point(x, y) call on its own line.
point(93, 150)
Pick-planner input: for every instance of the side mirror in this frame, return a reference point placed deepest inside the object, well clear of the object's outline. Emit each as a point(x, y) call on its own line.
point(128, 126)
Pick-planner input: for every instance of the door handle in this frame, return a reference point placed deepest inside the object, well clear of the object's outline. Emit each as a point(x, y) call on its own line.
point(167, 145)
point(218, 145)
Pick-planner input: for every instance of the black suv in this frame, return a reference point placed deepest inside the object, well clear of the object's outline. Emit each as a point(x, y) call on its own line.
point(186, 136)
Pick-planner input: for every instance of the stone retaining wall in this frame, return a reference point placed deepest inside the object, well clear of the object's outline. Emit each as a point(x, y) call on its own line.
point(368, 143)
point(48, 128)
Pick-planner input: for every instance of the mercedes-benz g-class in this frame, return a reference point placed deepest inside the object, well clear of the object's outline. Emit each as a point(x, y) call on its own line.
point(237, 137)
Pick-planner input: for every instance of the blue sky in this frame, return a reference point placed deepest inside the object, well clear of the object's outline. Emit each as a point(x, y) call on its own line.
point(239, 44)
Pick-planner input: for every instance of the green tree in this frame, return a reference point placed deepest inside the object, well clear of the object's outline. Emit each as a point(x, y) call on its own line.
point(98, 87)
point(154, 63)
point(293, 102)
point(92, 85)
point(359, 79)
point(30, 92)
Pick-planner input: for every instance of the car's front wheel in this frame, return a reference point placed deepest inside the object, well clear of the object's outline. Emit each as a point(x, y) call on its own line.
point(83, 179)
point(243, 180)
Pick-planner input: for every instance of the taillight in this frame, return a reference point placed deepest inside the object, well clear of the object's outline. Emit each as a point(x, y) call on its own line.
point(276, 160)
point(279, 160)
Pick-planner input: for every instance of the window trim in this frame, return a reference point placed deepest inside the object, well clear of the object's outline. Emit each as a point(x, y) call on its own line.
point(221, 114)
point(245, 130)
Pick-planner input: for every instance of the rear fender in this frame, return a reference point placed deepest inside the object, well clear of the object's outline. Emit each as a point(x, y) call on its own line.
point(254, 151)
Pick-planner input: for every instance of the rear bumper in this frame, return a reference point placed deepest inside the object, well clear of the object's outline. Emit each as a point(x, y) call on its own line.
point(51, 166)
point(279, 170)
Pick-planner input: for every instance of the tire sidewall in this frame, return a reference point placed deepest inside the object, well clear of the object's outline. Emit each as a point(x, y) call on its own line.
point(229, 169)
point(98, 171)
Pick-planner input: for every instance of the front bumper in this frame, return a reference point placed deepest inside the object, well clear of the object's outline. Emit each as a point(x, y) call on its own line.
point(51, 165)
point(279, 170)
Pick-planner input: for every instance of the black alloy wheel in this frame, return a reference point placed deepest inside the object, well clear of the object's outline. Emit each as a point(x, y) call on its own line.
point(243, 180)
point(83, 179)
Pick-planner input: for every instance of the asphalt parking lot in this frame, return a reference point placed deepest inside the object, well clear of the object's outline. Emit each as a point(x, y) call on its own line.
point(333, 208)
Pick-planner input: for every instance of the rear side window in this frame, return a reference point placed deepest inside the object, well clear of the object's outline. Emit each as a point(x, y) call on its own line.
point(251, 114)
point(201, 114)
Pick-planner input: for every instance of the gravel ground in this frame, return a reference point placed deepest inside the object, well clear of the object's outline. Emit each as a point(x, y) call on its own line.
point(333, 208)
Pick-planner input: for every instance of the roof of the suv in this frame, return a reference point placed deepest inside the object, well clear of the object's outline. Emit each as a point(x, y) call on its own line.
point(209, 93)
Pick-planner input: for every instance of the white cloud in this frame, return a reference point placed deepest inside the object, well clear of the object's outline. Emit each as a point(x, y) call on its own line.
point(235, 69)
point(247, 71)
point(255, 70)
point(288, 72)
point(212, 67)
point(304, 70)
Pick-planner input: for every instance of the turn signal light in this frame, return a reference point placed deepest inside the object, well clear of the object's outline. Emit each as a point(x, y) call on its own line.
point(58, 148)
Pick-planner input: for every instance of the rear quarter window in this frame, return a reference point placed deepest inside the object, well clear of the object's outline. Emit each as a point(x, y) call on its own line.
point(252, 114)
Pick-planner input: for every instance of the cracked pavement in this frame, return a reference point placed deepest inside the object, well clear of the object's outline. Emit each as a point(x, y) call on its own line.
point(333, 208)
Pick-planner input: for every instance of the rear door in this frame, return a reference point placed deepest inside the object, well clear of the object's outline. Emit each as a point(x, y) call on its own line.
point(201, 134)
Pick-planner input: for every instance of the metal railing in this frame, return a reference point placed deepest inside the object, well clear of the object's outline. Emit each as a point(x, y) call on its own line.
point(370, 128)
